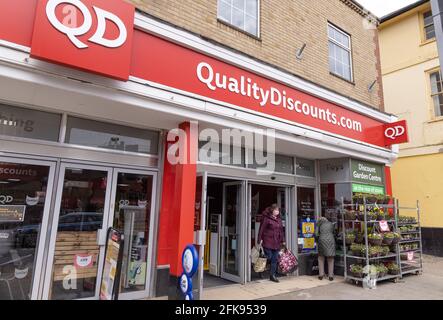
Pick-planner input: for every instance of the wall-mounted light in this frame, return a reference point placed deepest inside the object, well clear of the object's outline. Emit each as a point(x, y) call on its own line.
point(371, 86)
point(299, 54)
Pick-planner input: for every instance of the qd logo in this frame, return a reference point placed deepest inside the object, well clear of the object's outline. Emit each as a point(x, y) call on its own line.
point(73, 32)
point(395, 133)
point(91, 35)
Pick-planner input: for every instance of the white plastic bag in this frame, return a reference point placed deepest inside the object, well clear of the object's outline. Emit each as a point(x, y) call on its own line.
point(255, 253)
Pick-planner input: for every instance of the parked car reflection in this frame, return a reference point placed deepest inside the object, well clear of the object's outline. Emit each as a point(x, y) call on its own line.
point(27, 236)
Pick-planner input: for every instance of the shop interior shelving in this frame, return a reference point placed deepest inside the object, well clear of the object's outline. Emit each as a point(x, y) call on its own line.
point(366, 260)
point(411, 242)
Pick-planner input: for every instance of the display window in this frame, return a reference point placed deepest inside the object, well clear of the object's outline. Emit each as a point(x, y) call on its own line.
point(23, 192)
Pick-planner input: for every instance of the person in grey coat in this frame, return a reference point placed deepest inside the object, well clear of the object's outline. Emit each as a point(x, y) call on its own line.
point(325, 234)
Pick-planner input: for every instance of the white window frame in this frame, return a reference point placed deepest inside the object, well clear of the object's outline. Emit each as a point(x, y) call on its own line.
point(432, 94)
point(427, 25)
point(219, 17)
point(349, 50)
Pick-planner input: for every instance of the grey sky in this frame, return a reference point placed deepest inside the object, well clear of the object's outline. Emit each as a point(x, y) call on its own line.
point(383, 7)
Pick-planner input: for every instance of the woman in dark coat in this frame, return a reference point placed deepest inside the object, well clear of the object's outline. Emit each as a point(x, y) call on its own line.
point(326, 245)
point(271, 236)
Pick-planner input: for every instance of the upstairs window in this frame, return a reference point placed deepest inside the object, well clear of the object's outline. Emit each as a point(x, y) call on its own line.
point(428, 22)
point(340, 60)
point(242, 14)
point(437, 93)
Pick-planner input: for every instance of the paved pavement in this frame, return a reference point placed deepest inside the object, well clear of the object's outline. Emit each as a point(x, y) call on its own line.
point(427, 286)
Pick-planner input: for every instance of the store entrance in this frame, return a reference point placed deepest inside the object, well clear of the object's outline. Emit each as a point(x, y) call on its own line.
point(262, 197)
point(231, 232)
point(225, 245)
point(91, 199)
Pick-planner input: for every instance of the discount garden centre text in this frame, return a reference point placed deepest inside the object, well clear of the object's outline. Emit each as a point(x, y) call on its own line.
point(367, 173)
point(246, 87)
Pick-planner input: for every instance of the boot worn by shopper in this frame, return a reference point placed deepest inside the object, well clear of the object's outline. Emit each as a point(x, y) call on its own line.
point(274, 279)
point(320, 277)
point(331, 278)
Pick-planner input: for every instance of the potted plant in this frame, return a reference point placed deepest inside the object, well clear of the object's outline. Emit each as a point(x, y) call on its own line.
point(382, 270)
point(381, 215)
point(385, 250)
point(355, 249)
point(359, 237)
point(350, 215)
point(349, 237)
point(374, 251)
point(388, 238)
point(393, 268)
point(356, 270)
point(358, 197)
point(371, 198)
point(375, 239)
point(372, 216)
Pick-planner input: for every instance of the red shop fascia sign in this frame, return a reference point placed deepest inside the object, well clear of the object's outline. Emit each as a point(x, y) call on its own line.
point(98, 36)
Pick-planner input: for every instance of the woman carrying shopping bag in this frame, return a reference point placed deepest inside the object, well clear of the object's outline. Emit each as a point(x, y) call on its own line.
point(271, 236)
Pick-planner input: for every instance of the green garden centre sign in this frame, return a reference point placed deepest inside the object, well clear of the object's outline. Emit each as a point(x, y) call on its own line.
point(362, 188)
point(363, 172)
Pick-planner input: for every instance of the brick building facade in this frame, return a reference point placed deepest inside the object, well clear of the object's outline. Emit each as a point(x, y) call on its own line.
point(284, 27)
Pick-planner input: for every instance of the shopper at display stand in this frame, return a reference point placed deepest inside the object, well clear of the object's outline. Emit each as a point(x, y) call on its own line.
point(325, 234)
point(271, 236)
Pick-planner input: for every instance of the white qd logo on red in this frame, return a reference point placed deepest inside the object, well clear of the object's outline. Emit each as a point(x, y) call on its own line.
point(98, 37)
point(395, 132)
point(90, 35)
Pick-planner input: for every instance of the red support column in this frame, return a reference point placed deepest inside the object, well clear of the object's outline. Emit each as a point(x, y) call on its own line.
point(176, 228)
point(388, 180)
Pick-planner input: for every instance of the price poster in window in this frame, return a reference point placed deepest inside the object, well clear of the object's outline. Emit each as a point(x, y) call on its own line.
point(308, 228)
point(384, 227)
point(112, 267)
point(307, 234)
point(309, 243)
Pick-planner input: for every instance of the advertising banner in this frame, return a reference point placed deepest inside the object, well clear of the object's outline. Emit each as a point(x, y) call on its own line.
point(110, 282)
point(361, 188)
point(364, 172)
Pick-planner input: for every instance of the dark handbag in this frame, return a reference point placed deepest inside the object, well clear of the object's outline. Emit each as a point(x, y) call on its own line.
point(287, 262)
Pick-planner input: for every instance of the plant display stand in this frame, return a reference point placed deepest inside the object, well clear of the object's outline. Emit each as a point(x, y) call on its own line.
point(370, 240)
point(410, 246)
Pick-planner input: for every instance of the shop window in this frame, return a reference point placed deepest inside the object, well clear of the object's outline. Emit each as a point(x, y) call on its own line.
point(428, 23)
point(306, 217)
point(332, 195)
point(110, 136)
point(340, 58)
point(281, 163)
point(213, 152)
point(305, 167)
point(23, 193)
point(27, 123)
point(437, 93)
point(242, 14)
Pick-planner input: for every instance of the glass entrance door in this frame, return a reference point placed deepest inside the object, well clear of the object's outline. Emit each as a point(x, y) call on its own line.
point(233, 232)
point(90, 200)
point(132, 206)
point(25, 195)
point(79, 232)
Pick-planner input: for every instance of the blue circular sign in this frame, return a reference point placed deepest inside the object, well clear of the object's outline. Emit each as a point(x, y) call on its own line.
point(190, 261)
point(185, 284)
point(189, 296)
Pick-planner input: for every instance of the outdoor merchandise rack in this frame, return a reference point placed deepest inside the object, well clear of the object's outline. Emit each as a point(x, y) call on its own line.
point(410, 244)
point(369, 240)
